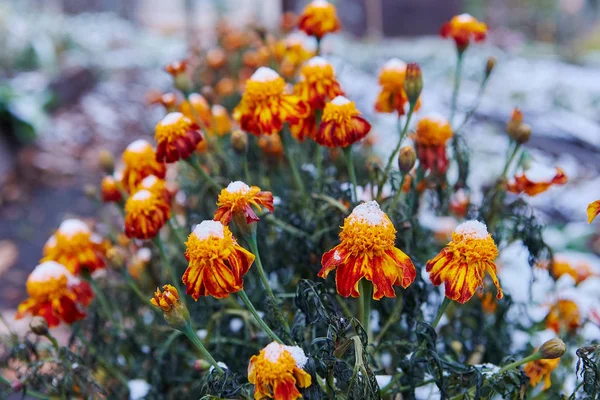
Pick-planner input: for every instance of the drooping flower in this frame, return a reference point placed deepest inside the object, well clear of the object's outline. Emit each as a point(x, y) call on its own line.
point(540, 370)
point(76, 247)
point(392, 97)
point(177, 137)
point(196, 108)
point(237, 200)
point(593, 209)
point(139, 161)
point(463, 28)
point(341, 124)
point(145, 214)
point(318, 84)
point(221, 122)
point(217, 263)
point(536, 180)
point(174, 310)
point(563, 315)
point(319, 18)
point(367, 251)
point(110, 190)
point(55, 294)
point(277, 372)
point(462, 264)
point(265, 107)
point(293, 51)
point(430, 138)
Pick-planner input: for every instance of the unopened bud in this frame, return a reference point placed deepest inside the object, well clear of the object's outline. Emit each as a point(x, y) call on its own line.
point(489, 66)
point(201, 365)
point(181, 78)
point(239, 141)
point(106, 161)
point(39, 326)
point(522, 134)
point(553, 348)
point(407, 159)
point(515, 122)
point(174, 310)
point(413, 82)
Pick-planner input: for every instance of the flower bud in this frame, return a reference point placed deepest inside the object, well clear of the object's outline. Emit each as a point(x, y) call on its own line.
point(522, 134)
point(39, 326)
point(406, 159)
point(239, 141)
point(553, 348)
point(201, 365)
point(489, 66)
point(179, 71)
point(413, 82)
point(175, 312)
point(106, 161)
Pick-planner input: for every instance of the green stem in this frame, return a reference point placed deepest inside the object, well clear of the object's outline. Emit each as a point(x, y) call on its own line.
point(135, 289)
point(366, 294)
point(193, 162)
point(242, 294)
point(393, 318)
point(189, 332)
point(170, 269)
point(495, 199)
point(176, 229)
point(533, 357)
point(54, 342)
point(349, 155)
point(292, 163)
point(245, 166)
point(319, 164)
point(510, 160)
point(397, 196)
point(441, 312)
point(457, 76)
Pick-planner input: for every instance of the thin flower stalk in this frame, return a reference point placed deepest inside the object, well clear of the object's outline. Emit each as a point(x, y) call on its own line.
point(244, 297)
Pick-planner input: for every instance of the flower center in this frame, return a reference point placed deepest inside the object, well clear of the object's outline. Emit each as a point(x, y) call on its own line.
point(172, 126)
point(209, 242)
point(265, 92)
point(339, 111)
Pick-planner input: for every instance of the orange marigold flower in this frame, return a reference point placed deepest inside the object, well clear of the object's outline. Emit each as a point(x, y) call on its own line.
point(110, 190)
point(318, 84)
point(459, 203)
point(341, 124)
point(430, 138)
point(265, 107)
point(222, 123)
point(237, 200)
point(293, 51)
point(536, 180)
point(593, 209)
point(216, 58)
point(177, 137)
point(563, 315)
point(277, 372)
point(55, 294)
point(217, 263)
point(177, 67)
point(540, 370)
point(304, 128)
point(367, 251)
point(156, 186)
point(75, 246)
point(196, 108)
point(463, 28)
point(462, 264)
point(139, 161)
point(579, 272)
point(488, 301)
point(392, 97)
point(175, 312)
point(319, 18)
point(145, 214)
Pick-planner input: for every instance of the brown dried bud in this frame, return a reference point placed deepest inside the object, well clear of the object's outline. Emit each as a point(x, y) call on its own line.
point(413, 82)
point(239, 141)
point(39, 325)
point(407, 159)
point(106, 161)
point(489, 66)
point(553, 348)
point(116, 257)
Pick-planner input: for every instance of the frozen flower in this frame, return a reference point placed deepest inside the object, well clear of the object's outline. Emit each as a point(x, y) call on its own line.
point(430, 138)
point(367, 251)
point(563, 315)
point(536, 180)
point(139, 161)
point(145, 214)
point(341, 124)
point(319, 18)
point(237, 200)
point(156, 186)
point(579, 272)
point(55, 294)
point(462, 264)
point(318, 84)
point(277, 372)
point(593, 209)
point(293, 51)
point(463, 28)
point(177, 137)
point(392, 97)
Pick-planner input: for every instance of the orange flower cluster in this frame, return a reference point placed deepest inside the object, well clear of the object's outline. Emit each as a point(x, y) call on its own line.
point(292, 52)
point(536, 180)
point(464, 28)
point(579, 272)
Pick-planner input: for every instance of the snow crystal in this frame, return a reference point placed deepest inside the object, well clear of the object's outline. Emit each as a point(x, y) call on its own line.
point(336, 256)
point(141, 195)
point(209, 228)
point(317, 61)
point(49, 270)
point(144, 254)
point(298, 355)
point(473, 229)
point(138, 146)
point(236, 324)
point(138, 389)
point(465, 17)
point(149, 181)
point(383, 380)
point(70, 227)
point(238, 187)
point(396, 64)
point(368, 212)
point(540, 173)
point(320, 3)
point(171, 118)
point(340, 101)
point(273, 351)
point(264, 74)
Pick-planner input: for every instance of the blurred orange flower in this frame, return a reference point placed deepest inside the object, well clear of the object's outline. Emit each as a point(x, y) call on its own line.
point(579, 272)
point(237, 200)
point(563, 315)
point(139, 161)
point(430, 138)
point(463, 28)
point(341, 124)
point(318, 84)
point(110, 190)
point(145, 214)
point(221, 121)
point(536, 180)
point(593, 209)
point(392, 97)
point(177, 137)
point(292, 52)
point(319, 18)
point(540, 370)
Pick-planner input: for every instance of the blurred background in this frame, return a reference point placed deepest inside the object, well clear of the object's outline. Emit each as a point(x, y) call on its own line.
point(75, 77)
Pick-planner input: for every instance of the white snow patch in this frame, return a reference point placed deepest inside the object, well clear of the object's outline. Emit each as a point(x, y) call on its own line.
point(171, 118)
point(340, 101)
point(149, 181)
point(236, 324)
point(218, 109)
point(383, 380)
point(320, 3)
point(51, 270)
point(474, 229)
point(144, 254)
point(273, 351)
point(209, 228)
point(540, 173)
point(138, 389)
point(298, 355)
point(368, 212)
point(317, 61)
point(196, 98)
point(138, 146)
point(238, 187)
point(465, 17)
point(141, 195)
point(264, 74)
point(395, 64)
point(71, 227)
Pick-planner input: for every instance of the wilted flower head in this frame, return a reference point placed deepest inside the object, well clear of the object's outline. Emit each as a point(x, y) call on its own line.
point(430, 138)
point(537, 180)
point(237, 200)
point(563, 315)
point(462, 264)
point(175, 312)
point(145, 214)
point(318, 83)
point(277, 372)
point(217, 263)
point(76, 247)
point(367, 251)
point(463, 28)
point(341, 124)
point(139, 161)
point(319, 18)
point(265, 107)
point(392, 97)
point(177, 137)
point(593, 209)
point(55, 294)
point(539, 370)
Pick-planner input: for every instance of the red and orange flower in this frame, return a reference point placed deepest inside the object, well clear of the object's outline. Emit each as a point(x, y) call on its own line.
point(593, 209)
point(579, 272)
point(217, 263)
point(463, 28)
point(540, 370)
point(156, 186)
point(341, 124)
point(277, 372)
point(221, 121)
point(563, 315)
point(76, 247)
point(536, 180)
point(55, 294)
point(196, 108)
point(367, 251)
point(237, 200)
point(293, 51)
point(139, 161)
point(265, 107)
point(145, 213)
point(318, 84)
point(319, 18)
point(392, 97)
point(177, 137)
point(110, 190)
point(462, 264)
point(430, 138)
